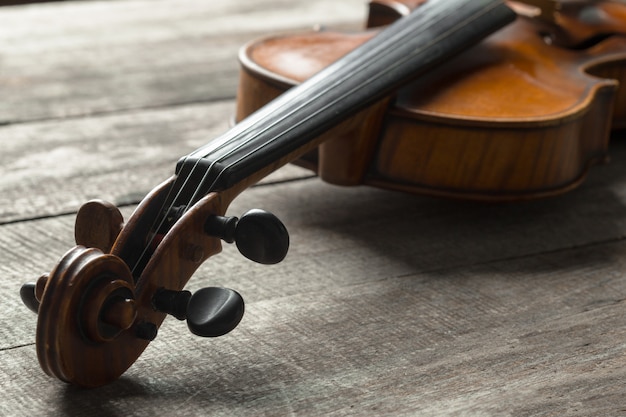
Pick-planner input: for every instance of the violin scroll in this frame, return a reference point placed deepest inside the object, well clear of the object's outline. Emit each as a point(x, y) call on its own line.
point(96, 315)
point(87, 306)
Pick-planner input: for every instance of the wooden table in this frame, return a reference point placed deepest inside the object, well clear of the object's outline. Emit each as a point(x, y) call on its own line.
point(387, 304)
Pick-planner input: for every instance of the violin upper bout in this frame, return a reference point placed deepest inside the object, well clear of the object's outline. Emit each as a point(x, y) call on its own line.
point(271, 66)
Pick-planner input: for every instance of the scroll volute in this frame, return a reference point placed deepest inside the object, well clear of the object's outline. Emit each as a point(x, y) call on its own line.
point(96, 315)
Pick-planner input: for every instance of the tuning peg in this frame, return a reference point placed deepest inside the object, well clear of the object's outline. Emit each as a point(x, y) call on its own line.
point(31, 293)
point(27, 294)
point(210, 312)
point(214, 311)
point(260, 236)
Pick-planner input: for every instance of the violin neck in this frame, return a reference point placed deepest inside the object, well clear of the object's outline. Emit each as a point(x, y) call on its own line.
point(290, 125)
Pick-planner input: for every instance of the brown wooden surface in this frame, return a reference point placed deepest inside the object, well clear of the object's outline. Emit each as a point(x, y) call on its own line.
point(387, 304)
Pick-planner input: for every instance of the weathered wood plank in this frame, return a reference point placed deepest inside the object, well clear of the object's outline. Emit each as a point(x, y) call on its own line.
point(347, 236)
point(53, 167)
point(371, 234)
point(387, 304)
point(77, 58)
point(536, 336)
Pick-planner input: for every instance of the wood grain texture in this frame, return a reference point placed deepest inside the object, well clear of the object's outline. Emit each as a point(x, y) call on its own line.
point(77, 58)
point(390, 328)
point(387, 304)
point(116, 157)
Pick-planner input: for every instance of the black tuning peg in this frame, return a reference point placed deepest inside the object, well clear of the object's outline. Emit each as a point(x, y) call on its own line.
point(210, 312)
point(260, 236)
point(31, 293)
point(27, 294)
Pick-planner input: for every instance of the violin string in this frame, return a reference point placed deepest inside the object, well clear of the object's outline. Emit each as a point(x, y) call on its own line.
point(294, 109)
point(322, 109)
point(154, 227)
point(336, 82)
point(261, 114)
point(238, 132)
point(233, 135)
point(242, 127)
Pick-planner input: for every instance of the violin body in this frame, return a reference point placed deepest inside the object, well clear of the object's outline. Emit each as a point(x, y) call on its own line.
point(522, 115)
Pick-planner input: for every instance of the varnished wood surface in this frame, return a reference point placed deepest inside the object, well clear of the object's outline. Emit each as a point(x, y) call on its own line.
point(387, 304)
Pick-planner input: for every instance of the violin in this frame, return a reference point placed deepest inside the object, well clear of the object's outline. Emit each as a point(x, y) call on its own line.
point(522, 115)
point(105, 300)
